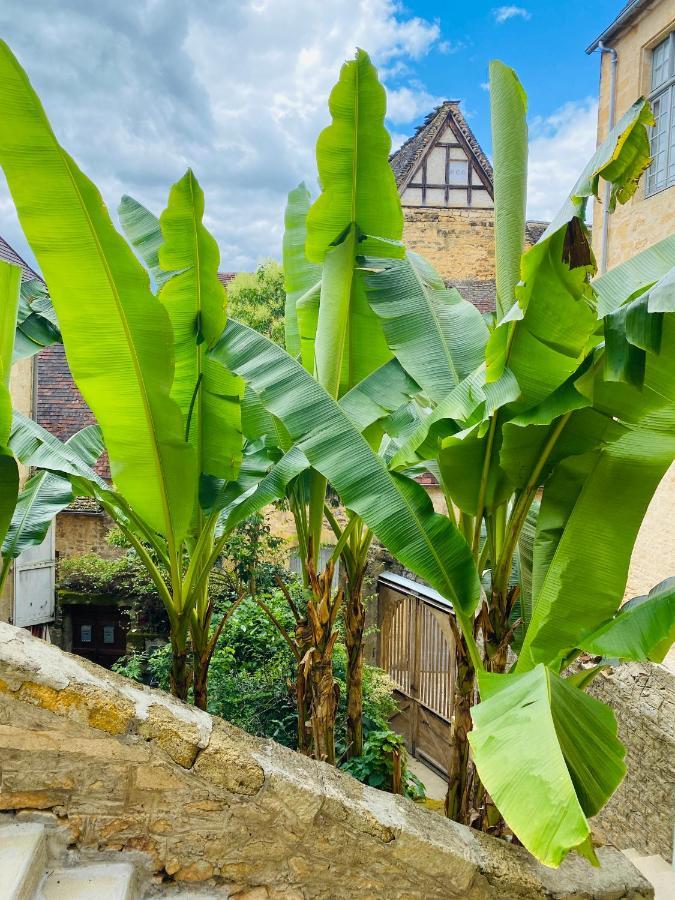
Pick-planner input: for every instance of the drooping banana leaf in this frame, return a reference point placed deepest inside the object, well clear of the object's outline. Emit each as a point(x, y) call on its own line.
point(10, 281)
point(593, 505)
point(300, 275)
point(635, 274)
point(635, 329)
point(34, 446)
point(144, 233)
point(643, 629)
point(549, 757)
point(397, 510)
point(508, 110)
point(36, 325)
point(117, 335)
point(545, 335)
point(46, 494)
point(437, 336)
point(208, 395)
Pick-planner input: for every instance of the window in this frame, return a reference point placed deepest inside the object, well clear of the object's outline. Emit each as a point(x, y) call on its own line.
point(661, 173)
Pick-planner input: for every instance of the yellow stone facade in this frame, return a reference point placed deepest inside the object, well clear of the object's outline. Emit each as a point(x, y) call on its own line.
point(459, 243)
point(643, 220)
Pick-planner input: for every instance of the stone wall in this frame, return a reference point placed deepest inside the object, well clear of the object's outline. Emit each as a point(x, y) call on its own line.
point(640, 814)
point(123, 768)
point(459, 243)
point(643, 220)
point(84, 531)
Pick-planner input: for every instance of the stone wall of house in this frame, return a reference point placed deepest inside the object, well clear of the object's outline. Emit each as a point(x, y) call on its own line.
point(84, 532)
point(640, 814)
point(118, 767)
point(643, 220)
point(459, 243)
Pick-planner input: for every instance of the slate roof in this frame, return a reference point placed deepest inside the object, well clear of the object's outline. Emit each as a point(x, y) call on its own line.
point(405, 160)
point(9, 254)
point(482, 294)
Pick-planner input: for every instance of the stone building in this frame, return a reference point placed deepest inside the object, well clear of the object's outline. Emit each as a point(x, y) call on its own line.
point(638, 59)
point(445, 182)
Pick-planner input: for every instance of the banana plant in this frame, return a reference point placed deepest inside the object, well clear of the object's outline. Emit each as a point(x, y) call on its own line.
point(332, 330)
point(573, 398)
point(10, 281)
point(169, 417)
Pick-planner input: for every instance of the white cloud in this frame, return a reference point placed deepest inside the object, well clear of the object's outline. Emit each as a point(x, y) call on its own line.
point(560, 146)
point(504, 13)
point(139, 91)
point(409, 103)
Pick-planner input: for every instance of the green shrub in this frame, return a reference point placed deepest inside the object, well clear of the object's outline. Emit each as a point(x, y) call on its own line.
point(376, 766)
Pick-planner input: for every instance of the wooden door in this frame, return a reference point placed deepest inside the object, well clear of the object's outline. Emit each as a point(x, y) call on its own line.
point(99, 633)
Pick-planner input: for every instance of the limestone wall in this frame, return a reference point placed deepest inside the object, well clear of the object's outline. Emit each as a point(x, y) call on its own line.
point(459, 243)
point(643, 220)
point(126, 768)
point(641, 812)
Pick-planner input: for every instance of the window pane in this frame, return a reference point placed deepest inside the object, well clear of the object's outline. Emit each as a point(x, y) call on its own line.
point(661, 63)
point(661, 139)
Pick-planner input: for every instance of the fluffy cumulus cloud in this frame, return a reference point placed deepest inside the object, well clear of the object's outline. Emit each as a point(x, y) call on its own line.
point(504, 13)
point(139, 91)
point(560, 146)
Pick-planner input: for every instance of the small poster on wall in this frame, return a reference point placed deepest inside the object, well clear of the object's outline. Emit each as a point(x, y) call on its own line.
point(85, 634)
point(108, 634)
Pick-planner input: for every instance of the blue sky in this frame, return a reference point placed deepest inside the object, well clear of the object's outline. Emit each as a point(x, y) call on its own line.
point(138, 90)
point(543, 40)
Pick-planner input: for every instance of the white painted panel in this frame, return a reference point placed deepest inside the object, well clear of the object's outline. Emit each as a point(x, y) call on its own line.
point(412, 197)
point(34, 584)
point(457, 153)
point(435, 197)
point(436, 166)
point(458, 198)
point(458, 172)
point(448, 136)
point(481, 199)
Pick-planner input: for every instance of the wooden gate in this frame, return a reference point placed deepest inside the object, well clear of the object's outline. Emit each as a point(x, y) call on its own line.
point(417, 649)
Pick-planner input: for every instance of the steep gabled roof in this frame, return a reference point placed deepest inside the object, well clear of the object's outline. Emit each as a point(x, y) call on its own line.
point(8, 254)
point(406, 159)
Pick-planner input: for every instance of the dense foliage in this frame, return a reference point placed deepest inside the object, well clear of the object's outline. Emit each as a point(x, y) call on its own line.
point(258, 299)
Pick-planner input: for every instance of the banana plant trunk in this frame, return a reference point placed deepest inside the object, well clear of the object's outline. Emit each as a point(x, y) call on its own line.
point(303, 639)
point(180, 674)
point(322, 610)
point(458, 799)
point(355, 620)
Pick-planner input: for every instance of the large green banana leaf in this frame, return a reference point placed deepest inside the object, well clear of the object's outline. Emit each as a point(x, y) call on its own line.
point(35, 447)
point(549, 757)
point(545, 336)
point(634, 275)
point(46, 494)
point(643, 629)
point(508, 110)
point(358, 184)
point(396, 509)
point(10, 281)
point(593, 505)
point(144, 233)
point(208, 395)
point(117, 335)
point(437, 336)
point(36, 324)
point(300, 275)
point(357, 212)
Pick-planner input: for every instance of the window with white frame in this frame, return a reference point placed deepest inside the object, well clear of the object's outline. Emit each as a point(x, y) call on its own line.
point(661, 172)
